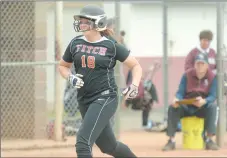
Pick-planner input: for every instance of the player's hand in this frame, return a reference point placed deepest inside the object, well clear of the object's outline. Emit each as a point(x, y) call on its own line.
point(131, 92)
point(174, 103)
point(199, 102)
point(76, 81)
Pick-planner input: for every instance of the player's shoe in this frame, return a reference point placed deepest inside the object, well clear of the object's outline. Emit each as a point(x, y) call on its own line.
point(169, 146)
point(210, 145)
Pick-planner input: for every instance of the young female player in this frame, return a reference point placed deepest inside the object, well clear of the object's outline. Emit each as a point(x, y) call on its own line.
point(94, 57)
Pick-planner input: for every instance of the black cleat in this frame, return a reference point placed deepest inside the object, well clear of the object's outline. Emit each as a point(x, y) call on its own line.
point(169, 146)
point(210, 145)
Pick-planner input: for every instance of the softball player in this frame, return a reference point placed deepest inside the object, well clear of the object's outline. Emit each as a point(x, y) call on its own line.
point(94, 57)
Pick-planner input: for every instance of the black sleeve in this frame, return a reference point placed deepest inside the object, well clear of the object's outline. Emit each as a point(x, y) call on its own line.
point(121, 52)
point(67, 57)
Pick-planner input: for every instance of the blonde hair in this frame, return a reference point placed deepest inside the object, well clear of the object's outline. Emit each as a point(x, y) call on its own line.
point(109, 33)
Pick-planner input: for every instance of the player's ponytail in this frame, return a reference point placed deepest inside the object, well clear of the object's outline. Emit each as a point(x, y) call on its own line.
point(109, 33)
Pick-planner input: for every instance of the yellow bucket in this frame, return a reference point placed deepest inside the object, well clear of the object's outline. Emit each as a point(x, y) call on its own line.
point(192, 129)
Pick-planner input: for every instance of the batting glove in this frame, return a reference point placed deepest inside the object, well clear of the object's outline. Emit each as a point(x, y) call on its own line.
point(76, 81)
point(131, 92)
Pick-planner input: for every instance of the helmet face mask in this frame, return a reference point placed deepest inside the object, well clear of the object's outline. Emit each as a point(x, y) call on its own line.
point(96, 19)
point(82, 26)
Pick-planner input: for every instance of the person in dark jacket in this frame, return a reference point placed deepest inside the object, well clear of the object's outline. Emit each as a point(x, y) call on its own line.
point(149, 94)
point(205, 37)
point(200, 83)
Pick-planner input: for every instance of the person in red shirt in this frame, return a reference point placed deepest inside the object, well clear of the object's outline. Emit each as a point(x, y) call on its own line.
point(205, 37)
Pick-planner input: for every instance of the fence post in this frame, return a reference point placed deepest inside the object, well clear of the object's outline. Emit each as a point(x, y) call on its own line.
point(220, 74)
point(59, 81)
point(117, 70)
point(165, 57)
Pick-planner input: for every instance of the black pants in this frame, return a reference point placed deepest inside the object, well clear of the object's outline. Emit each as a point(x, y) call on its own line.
point(137, 104)
point(96, 128)
point(209, 114)
point(145, 114)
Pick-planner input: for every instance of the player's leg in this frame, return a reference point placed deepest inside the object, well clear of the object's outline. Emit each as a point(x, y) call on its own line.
point(95, 120)
point(109, 145)
point(174, 116)
point(145, 115)
point(209, 113)
point(112, 121)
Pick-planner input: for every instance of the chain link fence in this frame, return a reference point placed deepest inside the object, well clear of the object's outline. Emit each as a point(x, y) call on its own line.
point(72, 119)
point(28, 78)
point(17, 84)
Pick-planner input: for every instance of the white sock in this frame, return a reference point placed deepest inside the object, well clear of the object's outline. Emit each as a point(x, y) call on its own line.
point(172, 140)
point(208, 139)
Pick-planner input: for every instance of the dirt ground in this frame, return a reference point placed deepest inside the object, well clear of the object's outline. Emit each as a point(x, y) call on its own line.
point(142, 143)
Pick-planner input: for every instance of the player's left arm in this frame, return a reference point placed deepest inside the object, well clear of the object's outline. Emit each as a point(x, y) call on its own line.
point(182, 88)
point(136, 69)
point(123, 55)
point(212, 92)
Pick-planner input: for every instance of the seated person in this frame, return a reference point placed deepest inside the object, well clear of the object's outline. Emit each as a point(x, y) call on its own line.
point(150, 94)
point(147, 94)
point(201, 83)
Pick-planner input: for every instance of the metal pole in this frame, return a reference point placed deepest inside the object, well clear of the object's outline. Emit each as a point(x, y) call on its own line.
point(117, 69)
point(59, 81)
point(37, 63)
point(117, 18)
point(220, 74)
point(165, 57)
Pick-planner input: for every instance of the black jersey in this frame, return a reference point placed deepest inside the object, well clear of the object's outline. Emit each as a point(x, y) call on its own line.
point(95, 61)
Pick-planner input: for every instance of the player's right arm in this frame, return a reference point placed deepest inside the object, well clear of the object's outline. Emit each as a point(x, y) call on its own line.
point(65, 66)
point(66, 63)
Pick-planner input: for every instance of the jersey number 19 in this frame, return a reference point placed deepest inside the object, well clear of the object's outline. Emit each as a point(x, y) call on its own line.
point(90, 61)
